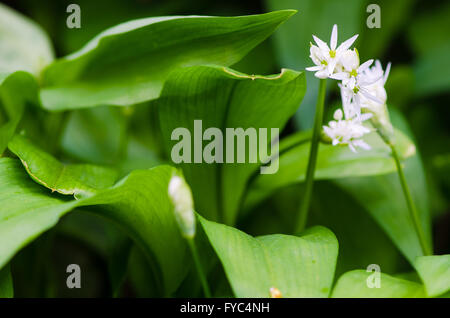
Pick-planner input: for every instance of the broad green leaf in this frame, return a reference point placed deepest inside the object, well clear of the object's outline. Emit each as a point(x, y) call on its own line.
point(355, 284)
point(383, 198)
point(333, 162)
point(435, 273)
point(292, 41)
point(6, 283)
point(63, 178)
point(223, 98)
point(16, 91)
point(138, 203)
point(128, 63)
point(359, 245)
point(25, 46)
point(296, 266)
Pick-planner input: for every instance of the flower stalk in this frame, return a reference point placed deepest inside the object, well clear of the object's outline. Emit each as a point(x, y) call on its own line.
point(410, 203)
point(309, 181)
point(199, 267)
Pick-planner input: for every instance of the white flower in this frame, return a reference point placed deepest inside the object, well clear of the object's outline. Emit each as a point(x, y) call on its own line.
point(378, 78)
point(348, 131)
point(355, 80)
point(181, 196)
point(380, 119)
point(327, 57)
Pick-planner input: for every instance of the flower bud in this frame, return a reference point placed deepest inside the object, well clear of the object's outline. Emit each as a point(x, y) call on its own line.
point(181, 197)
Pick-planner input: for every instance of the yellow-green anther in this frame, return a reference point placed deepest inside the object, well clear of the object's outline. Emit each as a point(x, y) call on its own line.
point(181, 197)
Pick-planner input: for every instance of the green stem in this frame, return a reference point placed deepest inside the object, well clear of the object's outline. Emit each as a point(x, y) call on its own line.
point(199, 267)
point(309, 182)
point(411, 205)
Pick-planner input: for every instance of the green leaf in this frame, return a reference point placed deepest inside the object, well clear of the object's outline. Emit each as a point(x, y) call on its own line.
point(435, 273)
point(354, 284)
point(63, 178)
point(138, 203)
point(333, 162)
point(6, 283)
point(223, 98)
point(16, 91)
point(382, 196)
point(296, 266)
point(128, 63)
point(25, 46)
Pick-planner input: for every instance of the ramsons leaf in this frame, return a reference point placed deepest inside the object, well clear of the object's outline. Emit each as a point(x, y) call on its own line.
point(62, 178)
point(360, 284)
point(128, 63)
point(224, 99)
point(294, 266)
point(138, 203)
point(435, 273)
point(16, 91)
point(383, 197)
point(6, 283)
point(25, 46)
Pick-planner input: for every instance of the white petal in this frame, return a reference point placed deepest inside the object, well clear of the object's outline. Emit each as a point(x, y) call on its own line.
point(321, 74)
point(366, 80)
point(362, 144)
point(364, 66)
point(333, 40)
point(386, 73)
point(340, 76)
point(314, 68)
point(364, 117)
point(352, 148)
point(322, 45)
point(338, 114)
point(346, 44)
point(365, 93)
point(331, 66)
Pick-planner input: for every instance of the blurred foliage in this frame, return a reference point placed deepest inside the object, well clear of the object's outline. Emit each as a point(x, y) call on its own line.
point(414, 36)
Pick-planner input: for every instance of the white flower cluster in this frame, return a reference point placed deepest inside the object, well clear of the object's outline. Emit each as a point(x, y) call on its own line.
point(362, 90)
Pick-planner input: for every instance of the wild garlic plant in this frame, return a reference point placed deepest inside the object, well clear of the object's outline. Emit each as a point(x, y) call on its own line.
point(364, 99)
